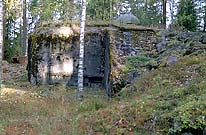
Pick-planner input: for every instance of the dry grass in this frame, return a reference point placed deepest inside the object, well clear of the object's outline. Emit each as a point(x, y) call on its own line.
point(44, 110)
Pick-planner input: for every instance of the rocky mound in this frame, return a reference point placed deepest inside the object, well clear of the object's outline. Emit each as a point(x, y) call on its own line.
point(12, 71)
point(171, 46)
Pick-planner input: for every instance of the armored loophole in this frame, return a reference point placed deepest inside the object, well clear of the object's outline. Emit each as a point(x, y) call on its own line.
point(93, 81)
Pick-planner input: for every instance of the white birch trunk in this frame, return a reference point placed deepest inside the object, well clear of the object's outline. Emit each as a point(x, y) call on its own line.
point(1, 40)
point(25, 27)
point(81, 53)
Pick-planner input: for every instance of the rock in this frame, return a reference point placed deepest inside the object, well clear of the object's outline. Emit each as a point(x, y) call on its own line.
point(195, 48)
point(46, 93)
point(5, 62)
point(5, 66)
point(132, 76)
point(23, 60)
point(204, 132)
point(5, 76)
point(171, 34)
point(203, 39)
point(160, 46)
point(12, 71)
point(161, 42)
point(183, 37)
point(171, 60)
point(128, 19)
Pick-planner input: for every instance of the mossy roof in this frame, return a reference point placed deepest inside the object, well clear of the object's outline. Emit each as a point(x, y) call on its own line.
point(66, 30)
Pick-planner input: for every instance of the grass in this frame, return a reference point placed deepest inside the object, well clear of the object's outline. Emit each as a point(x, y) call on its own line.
point(169, 100)
point(44, 110)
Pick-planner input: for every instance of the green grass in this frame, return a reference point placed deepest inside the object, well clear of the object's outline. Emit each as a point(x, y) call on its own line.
point(169, 100)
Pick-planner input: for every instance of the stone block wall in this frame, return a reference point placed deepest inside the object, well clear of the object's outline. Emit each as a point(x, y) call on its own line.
point(129, 43)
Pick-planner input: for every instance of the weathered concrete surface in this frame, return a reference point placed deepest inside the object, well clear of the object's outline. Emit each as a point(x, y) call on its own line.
point(53, 59)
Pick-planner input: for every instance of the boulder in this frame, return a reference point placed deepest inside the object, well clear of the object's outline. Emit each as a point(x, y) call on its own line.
point(132, 76)
point(193, 48)
point(161, 45)
point(128, 19)
point(23, 60)
point(204, 131)
point(183, 37)
point(203, 39)
point(171, 60)
point(5, 66)
point(12, 71)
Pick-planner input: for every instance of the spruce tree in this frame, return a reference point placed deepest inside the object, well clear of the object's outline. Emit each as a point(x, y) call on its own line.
point(186, 15)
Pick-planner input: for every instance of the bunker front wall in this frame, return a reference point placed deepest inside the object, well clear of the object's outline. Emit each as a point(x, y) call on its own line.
point(54, 59)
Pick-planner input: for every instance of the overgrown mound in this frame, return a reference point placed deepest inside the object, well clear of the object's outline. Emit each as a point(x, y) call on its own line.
point(169, 48)
point(169, 100)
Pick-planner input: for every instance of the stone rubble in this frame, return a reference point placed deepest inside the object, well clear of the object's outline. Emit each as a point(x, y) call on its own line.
point(12, 71)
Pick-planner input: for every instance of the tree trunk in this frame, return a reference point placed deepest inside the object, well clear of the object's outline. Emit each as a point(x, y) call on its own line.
point(164, 18)
point(24, 28)
point(204, 18)
point(4, 26)
point(20, 28)
point(71, 9)
point(81, 53)
point(146, 5)
point(112, 9)
point(1, 40)
point(171, 5)
point(204, 26)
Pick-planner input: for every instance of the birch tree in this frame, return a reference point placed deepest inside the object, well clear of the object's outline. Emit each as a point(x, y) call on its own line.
point(1, 38)
point(81, 52)
point(24, 28)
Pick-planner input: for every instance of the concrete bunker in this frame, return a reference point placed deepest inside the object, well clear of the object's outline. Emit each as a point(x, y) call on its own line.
point(53, 54)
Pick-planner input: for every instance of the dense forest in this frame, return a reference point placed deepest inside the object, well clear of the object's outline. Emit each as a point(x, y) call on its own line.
point(135, 67)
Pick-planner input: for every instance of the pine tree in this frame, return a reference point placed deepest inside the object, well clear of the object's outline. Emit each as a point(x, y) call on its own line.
point(186, 15)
